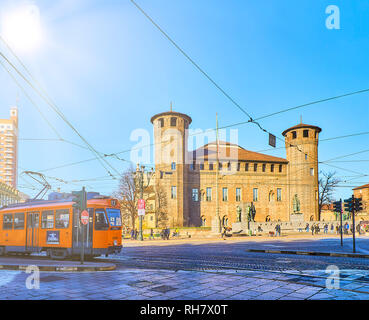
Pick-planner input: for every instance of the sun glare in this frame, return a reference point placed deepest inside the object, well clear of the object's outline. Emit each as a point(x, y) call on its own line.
point(21, 28)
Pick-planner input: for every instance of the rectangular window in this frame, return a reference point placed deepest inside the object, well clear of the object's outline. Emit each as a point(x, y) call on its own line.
point(294, 135)
point(18, 221)
point(173, 165)
point(220, 166)
point(246, 167)
point(272, 168)
point(8, 221)
point(264, 167)
point(238, 194)
point(312, 171)
point(161, 121)
point(173, 122)
point(208, 194)
point(211, 166)
point(195, 195)
point(225, 194)
point(238, 166)
point(101, 223)
point(255, 194)
point(201, 166)
point(47, 219)
point(279, 194)
point(280, 168)
point(306, 133)
point(62, 219)
point(173, 194)
point(255, 167)
point(229, 166)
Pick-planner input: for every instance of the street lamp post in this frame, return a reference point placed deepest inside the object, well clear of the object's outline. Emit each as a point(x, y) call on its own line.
point(140, 176)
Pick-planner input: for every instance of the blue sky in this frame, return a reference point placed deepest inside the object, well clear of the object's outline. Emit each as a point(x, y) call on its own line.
point(109, 70)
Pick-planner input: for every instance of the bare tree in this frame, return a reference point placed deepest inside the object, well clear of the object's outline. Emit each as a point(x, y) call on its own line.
point(161, 214)
point(327, 184)
point(127, 196)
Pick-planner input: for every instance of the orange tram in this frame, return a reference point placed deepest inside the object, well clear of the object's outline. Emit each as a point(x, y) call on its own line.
point(54, 226)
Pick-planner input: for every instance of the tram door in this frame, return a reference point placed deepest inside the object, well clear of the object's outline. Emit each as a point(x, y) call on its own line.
point(78, 227)
point(33, 227)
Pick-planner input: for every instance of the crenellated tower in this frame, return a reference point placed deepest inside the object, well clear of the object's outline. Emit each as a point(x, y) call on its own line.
point(171, 140)
point(302, 170)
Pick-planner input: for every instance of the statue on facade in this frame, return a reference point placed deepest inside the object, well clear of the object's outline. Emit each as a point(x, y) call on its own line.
point(252, 212)
point(296, 204)
point(239, 212)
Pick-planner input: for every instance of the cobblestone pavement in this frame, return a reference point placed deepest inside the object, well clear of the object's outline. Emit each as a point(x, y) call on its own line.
point(206, 271)
point(185, 285)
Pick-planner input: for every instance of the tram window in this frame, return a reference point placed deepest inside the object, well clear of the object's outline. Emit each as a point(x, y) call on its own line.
point(8, 221)
point(19, 221)
point(62, 219)
point(101, 223)
point(47, 219)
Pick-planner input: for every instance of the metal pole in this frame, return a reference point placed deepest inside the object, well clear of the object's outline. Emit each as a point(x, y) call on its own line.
point(141, 195)
point(353, 224)
point(341, 224)
point(83, 244)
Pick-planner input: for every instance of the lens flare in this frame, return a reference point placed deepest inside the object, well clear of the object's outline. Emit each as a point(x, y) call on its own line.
point(21, 28)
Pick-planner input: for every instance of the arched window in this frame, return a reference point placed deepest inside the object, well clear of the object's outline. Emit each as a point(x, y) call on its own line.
point(271, 196)
point(312, 218)
point(267, 219)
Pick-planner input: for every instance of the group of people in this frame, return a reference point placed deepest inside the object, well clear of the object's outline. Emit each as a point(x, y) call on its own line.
point(164, 234)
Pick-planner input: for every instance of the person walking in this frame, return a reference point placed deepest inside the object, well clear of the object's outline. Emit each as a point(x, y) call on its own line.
point(332, 228)
point(151, 234)
point(307, 227)
point(312, 229)
point(326, 229)
point(132, 234)
point(224, 232)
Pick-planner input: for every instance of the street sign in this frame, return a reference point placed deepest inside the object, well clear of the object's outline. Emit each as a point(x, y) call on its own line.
point(141, 205)
point(84, 217)
point(272, 140)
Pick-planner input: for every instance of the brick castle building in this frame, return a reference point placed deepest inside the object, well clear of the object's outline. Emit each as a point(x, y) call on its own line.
point(275, 186)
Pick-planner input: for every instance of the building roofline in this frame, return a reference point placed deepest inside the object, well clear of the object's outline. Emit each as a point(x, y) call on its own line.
point(300, 126)
point(171, 113)
point(365, 186)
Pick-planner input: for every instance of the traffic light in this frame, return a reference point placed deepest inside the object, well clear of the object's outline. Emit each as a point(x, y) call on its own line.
point(358, 204)
point(348, 205)
point(80, 199)
point(337, 206)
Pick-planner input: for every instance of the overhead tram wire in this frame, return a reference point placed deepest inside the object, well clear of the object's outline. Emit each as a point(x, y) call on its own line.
point(40, 112)
point(45, 97)
point(251, 120)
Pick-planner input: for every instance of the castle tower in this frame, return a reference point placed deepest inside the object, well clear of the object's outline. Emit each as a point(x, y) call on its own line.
point(170, 137)
point(302, 170)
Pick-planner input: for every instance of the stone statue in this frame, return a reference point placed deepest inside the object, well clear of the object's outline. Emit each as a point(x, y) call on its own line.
point(252, 212)
point(296, 204)
point(239, 212)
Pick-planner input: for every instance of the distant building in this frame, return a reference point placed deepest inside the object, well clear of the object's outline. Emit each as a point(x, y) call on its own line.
point(363, 193)
point(9, 148)
point(277, 187)
point(9, 195)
